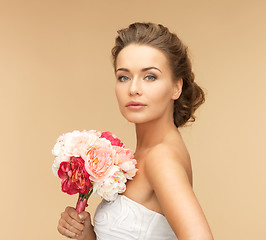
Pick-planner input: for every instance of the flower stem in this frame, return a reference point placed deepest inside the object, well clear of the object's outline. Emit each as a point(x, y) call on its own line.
point(82, 201)
point(86, 195)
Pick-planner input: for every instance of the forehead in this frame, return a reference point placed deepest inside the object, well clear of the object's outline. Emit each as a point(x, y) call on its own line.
point(140, 56)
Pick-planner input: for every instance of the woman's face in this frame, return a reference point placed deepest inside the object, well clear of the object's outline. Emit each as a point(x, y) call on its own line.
point(145, 89)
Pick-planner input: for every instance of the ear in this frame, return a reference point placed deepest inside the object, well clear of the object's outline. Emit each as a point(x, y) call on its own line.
point(177, 89)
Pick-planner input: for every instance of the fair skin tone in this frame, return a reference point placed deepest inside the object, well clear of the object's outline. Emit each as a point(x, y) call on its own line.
point(164, 180)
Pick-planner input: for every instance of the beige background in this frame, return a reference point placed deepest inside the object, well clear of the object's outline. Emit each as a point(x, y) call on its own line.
point(56, 76)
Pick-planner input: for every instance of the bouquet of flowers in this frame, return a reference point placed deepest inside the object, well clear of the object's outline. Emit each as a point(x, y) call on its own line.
point(92, 162)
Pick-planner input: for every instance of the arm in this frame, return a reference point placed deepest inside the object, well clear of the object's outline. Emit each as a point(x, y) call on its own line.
point(166, 173)
point(76, 226)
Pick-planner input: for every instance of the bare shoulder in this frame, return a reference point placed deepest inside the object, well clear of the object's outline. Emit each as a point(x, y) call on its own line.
point(168, 171)
point(168, 157)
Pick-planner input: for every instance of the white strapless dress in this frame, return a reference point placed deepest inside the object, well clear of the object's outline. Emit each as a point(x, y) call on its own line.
point(125, 219)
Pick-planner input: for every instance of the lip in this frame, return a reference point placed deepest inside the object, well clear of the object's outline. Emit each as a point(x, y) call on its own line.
point(135, 104)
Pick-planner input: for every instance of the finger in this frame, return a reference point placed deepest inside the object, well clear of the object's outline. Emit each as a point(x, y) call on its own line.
point(85, 217)
point(66, 232)
point(73, 213)
point(88, 232)
point(73, 227)
point(72, 222)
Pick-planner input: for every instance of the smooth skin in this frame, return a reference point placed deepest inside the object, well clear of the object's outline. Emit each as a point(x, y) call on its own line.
point(164, 181)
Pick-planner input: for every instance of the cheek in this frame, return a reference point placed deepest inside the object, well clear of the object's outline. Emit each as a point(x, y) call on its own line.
point(160, 94)
point(118, 93)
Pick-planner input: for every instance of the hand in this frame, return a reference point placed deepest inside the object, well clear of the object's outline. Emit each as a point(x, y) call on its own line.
point(76, 226)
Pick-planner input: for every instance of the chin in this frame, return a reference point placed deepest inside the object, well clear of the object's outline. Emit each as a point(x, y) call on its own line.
point(137, 119)
point(134, 119)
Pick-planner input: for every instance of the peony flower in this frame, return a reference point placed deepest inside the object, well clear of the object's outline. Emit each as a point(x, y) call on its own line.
point(92, 161)
point(98, 161)
point(58, 149)
point(125, 160)
point(112, 138)
point(131, 173)
point(76, 142)
point(111, 185)
point(58, 160)
point(74, 177)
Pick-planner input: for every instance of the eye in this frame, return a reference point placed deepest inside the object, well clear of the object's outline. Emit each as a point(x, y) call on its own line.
point(123, 78)
point(150, 77)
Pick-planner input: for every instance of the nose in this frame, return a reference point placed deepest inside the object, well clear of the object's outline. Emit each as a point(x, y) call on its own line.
point(135, 87)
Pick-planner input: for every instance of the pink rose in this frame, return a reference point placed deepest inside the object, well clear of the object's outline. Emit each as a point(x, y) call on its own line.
point(112, 138)
point(98, 161)
point(74, 177)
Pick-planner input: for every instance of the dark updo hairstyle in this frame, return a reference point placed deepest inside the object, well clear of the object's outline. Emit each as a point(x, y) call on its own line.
point(158, 36)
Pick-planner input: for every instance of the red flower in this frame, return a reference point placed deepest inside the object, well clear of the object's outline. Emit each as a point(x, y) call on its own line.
point(112, 138)
point(75, 178)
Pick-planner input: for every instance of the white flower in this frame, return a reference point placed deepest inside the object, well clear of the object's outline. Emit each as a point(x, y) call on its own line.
point(109, 166)
point(98, 133)
point(130, 174)
point(76, 142)
point(111, 185)
point(58, 149)
point(59, 153)
point(128, 165)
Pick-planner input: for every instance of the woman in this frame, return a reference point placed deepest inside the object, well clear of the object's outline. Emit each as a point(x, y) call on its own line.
point(155, 89)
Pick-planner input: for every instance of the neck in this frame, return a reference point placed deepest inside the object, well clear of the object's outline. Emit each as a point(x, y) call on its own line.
point(152, 133)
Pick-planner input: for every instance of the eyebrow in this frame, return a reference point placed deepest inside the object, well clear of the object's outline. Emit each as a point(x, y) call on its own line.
point(143, 69)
